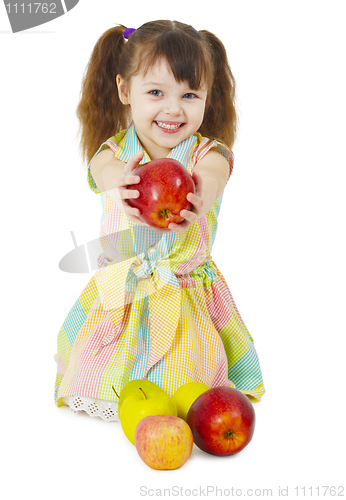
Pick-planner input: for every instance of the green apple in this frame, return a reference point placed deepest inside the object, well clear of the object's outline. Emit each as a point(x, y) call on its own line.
point(186, 395)
point(142, 404)
point(133, 387)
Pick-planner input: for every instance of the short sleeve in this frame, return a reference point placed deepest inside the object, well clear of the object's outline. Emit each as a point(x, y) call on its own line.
point(203, 145)
point(226, 153)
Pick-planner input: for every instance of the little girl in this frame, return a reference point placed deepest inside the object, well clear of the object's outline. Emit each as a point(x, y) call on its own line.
point(158, 308)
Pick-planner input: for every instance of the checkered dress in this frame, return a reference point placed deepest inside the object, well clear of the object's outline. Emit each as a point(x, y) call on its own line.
point(157, 307)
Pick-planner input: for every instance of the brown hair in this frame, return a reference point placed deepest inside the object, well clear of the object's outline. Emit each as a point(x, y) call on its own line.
point(197, 57)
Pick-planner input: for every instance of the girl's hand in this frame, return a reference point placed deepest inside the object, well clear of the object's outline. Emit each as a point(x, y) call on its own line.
point(122, 194)
point(191, 216)
point(210, 175)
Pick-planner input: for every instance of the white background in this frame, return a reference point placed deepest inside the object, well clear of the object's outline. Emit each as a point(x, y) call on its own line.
point(280, 246)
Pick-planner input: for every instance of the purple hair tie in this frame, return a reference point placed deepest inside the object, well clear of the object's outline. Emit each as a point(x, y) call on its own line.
point(128, 32)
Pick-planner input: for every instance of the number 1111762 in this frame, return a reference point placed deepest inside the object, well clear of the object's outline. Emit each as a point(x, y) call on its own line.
point(31, 8)
point(320, 491)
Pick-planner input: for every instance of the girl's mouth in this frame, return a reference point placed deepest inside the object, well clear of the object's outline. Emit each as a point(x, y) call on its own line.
point(169, 127)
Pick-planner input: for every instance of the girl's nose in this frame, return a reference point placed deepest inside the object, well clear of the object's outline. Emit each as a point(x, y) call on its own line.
point(173, 107)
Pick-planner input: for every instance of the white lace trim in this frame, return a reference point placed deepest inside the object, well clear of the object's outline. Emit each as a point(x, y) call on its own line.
point(107, 410)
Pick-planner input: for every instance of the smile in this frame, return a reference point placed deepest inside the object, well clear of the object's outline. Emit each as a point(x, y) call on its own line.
point(169, 127)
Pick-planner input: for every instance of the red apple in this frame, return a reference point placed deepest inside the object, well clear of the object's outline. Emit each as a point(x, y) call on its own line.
point(162, 191)
point(163, 442)
point(222, 421)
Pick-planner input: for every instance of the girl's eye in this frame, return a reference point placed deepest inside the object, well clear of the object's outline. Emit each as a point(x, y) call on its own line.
point(155, 92)
point(189, 95)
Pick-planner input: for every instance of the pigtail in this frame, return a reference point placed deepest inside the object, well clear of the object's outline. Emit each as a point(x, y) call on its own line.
point(100, 112)
point(220, 120)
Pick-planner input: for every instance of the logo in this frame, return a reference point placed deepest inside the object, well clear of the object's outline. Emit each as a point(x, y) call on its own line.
point(113, 248)
point(25, 14)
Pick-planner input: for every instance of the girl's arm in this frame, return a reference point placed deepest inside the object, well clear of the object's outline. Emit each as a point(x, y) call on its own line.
point(112, 176)
point(210, 175)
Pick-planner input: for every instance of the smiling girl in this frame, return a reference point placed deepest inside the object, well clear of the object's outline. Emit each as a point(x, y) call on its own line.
point(158, 308)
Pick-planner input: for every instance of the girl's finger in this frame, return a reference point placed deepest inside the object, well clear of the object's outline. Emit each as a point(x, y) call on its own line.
point(126, 194)
point(191, 217)
point(179, 228)
point(127, 180)
point(132, 211)
point(133, 162)
point(196, 201)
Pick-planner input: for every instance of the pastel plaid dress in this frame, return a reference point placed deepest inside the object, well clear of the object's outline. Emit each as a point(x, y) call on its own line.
point(157, 307)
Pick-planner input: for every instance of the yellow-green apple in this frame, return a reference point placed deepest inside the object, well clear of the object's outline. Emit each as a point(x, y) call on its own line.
point(222, 421)
point(186, 395)
point(133, 387)
point(142, 404)
point(163, 442)
point(162, 190)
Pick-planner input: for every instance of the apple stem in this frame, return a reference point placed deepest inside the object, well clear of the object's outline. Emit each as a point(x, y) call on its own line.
point(143, 392)
point(115, 392)
point(229, 434)
point(165, 212)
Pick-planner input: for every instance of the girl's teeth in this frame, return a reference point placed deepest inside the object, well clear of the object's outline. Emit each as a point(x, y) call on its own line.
point(167, 125)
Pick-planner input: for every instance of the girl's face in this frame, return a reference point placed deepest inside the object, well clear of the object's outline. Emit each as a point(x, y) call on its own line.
point(164, 111)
